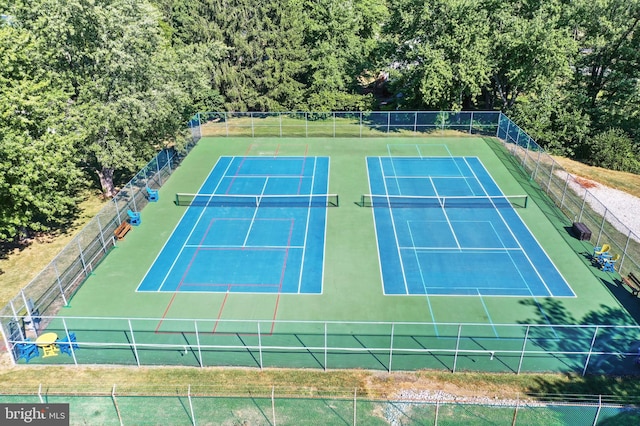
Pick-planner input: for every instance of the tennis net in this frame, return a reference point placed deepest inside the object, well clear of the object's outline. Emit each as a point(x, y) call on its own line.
point(408, 201)
point(232, 200)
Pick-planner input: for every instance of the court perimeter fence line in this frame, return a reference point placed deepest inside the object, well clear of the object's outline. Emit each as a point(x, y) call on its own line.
point(278, 406)
point(39, 301)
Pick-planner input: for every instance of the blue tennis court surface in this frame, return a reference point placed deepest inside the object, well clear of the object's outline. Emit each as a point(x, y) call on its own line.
point(445, 228)
point(239, 245)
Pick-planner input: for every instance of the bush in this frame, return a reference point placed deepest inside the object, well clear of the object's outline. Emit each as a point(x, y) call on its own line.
point(613, 149)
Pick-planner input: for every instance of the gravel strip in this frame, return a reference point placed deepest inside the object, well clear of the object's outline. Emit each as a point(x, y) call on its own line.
point(625, 207)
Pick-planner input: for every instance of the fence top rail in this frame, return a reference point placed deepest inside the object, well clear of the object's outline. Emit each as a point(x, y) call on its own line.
point(319, 322)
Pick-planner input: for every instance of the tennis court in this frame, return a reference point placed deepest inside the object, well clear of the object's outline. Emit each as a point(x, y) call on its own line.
point(203, 280)
point(444, 227)
point(248, 229)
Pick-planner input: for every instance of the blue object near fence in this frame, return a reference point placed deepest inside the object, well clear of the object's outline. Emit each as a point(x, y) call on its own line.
point(27, 350)
point(152, 194)
point(134, 218)
point(68, 344)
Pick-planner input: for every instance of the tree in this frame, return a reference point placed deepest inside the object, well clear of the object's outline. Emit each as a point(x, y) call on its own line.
point(39, 177)
point(127, 97)
point(532, 49)
point(440, 52)
point(606, 71)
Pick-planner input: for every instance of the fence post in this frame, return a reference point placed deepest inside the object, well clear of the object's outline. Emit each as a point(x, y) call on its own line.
point(515, 411)
point(260, 344)
point(471, 124)
point(564, 191)
point(361, 124)
point(273, 404)
point(415, 122)
point(133, 340)
point(252, 130)
point(40, 393)
point(195, 326)
point(455, 356)
point(624, 252)
point(104, 244)
point(226, 124)
point(66, 332)
point(593, 341)
point(435, 420)
point(306, 124)
point(115, 404)
point(280, 117)
point(334, 123)
point(553, 163)
point(391, 345)
point(133, 197)
point(355, 404)
point(595, 420)
point(325, 346)
point(84, 264)
point(193, 416)
point(59, 281)
point(524, 348)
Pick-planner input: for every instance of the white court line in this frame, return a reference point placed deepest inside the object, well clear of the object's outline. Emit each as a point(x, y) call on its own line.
point(306, 227)
point(424, 285)
point(505, 222)
point(173, 264)
point(444, 211)
point(255, 212)
point(393, 225)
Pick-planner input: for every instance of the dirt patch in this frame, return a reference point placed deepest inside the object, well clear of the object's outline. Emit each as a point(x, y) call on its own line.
point(585, 183)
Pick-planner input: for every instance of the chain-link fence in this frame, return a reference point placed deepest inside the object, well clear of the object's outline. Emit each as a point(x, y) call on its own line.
point(332, 345)
point(40, 300)
point(264, 405)
point(347, 124)
point(573, 199)
point(54, 286)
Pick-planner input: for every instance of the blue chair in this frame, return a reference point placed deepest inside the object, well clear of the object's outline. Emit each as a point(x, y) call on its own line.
point(152, 194)
point(68, 344)
point(134, 218)
point(27, 350)
point(600, 253)
point(608, 264)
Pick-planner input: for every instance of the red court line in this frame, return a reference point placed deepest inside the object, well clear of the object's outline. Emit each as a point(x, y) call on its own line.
point(284, 267)
point(215, 325)
point(195, 254)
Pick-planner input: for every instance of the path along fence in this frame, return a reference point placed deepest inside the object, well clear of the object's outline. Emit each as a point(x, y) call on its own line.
point(41, 299)
point(308, 406)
